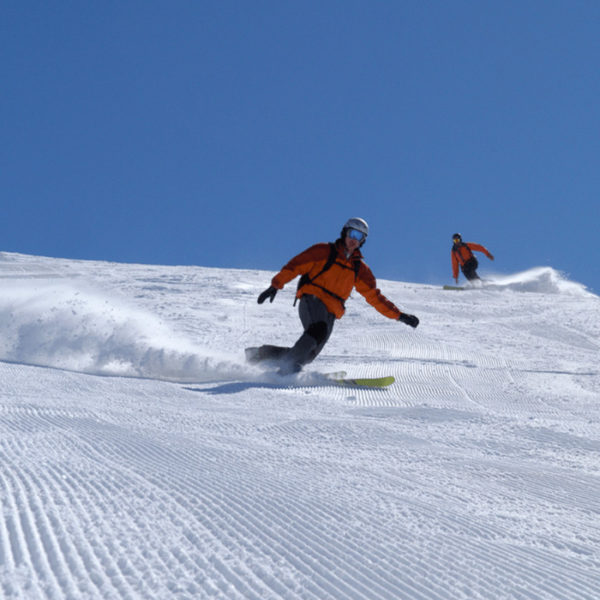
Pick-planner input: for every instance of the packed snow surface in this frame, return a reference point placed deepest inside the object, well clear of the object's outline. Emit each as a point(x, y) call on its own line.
point(141, 458)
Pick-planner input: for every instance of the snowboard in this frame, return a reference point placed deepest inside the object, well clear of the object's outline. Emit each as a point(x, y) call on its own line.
point(367, 382)
point(269, 354)
point(453, 287)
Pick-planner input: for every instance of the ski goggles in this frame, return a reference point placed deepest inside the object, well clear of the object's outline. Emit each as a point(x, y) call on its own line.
point(354, 234)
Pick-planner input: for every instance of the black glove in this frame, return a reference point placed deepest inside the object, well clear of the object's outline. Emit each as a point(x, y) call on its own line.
point(409, 319)
point(269, 293)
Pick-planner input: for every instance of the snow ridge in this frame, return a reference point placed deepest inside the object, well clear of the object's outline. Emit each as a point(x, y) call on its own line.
point(542, 280)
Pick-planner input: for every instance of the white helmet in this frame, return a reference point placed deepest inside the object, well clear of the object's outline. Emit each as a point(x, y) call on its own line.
point(358, 224)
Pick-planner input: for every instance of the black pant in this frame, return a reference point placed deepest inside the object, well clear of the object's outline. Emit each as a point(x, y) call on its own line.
point(318, 325)
point(469, 269)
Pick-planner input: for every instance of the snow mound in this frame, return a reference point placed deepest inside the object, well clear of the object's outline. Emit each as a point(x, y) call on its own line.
point(542, 280)
point(70, 325)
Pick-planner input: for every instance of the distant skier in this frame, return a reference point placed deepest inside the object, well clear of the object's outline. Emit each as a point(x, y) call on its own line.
point(462, 254)
point(329, 272)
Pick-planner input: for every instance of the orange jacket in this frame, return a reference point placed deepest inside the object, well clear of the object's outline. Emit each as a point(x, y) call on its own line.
point(463, 253)
point(339, 279)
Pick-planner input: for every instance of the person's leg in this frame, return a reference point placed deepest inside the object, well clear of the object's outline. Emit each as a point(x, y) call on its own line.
point(318, 325)
point(266, 352)
point(469, 269)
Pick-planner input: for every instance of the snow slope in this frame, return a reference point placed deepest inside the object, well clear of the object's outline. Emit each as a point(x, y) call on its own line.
point(141, 458)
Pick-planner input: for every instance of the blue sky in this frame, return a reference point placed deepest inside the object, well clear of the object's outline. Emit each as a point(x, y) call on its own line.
point(237, 133)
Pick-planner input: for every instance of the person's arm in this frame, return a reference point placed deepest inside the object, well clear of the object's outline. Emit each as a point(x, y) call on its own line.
point(480, 248)
point(454, 265)
point(366, 284)
point(300, 264)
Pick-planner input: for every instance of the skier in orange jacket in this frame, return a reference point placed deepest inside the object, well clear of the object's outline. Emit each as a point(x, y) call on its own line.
point(462, 255)
point(329, 272)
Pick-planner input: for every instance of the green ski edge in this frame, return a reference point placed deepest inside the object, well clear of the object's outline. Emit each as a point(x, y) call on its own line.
point(373, 382)
point(453, 287)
